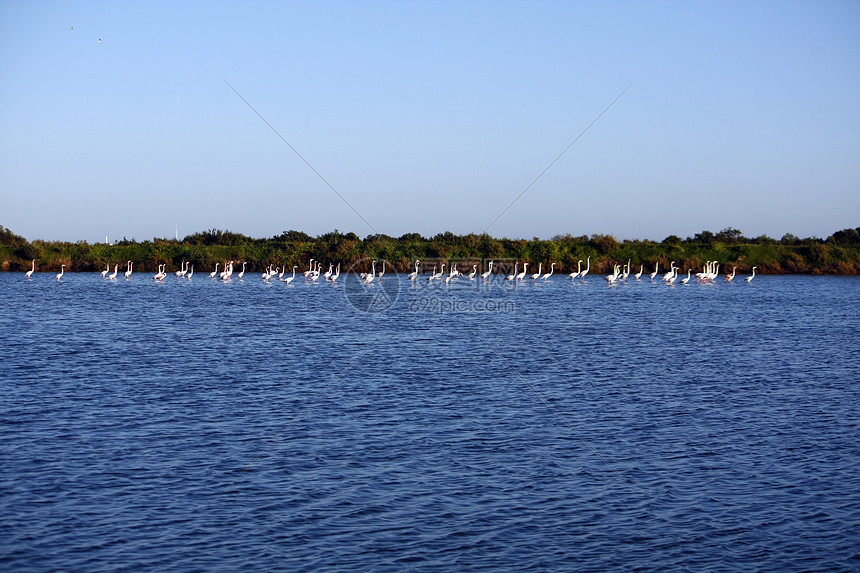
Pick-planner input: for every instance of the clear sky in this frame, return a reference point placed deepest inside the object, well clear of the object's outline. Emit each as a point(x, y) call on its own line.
point(429, 117)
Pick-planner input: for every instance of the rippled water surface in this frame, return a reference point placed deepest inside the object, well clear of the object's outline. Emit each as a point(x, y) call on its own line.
point(245, 426)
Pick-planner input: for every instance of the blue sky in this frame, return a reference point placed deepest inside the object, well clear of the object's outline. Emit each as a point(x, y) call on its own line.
point(429, 117)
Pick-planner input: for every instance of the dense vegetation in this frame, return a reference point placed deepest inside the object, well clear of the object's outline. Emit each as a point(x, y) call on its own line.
point(838, 254)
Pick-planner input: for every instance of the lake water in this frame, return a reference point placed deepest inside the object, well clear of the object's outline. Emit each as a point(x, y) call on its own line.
point(245, 426)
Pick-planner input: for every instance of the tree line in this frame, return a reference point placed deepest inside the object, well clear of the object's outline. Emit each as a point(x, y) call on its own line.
point(837, 254)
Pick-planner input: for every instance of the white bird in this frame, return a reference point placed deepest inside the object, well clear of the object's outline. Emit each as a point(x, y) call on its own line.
point(587, 268)
point(513, 276)
point(368, 278)
point(673, 275)
point(112, 276)
point(227, 272)
point(522, 275)
point(614, 276)
point(474, 272)
point(729, 277)
point(578, 269)
point(29, 273)
point(329, 272)
point(107, 270)
point(190, 273)
point(489, 270)
point(752, 276)
point(335, 275)
point(215, 272)
point(310, 268)
point(654, 274)
point(686, 280)
point(288, 280)
point(414, 274)
point(438, 275)
point(242, 272)
point(181, 272)
point(549, 274)
point(62, 270)
point(536, 276)
point(128, 272)
point(671, 272)
point(382, 272)
point(638, 275)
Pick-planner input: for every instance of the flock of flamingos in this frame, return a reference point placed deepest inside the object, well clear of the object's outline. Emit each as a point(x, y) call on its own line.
point(620, 273)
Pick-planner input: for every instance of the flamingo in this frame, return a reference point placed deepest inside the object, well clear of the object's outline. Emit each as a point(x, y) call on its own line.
point(112, 276)
point(62, 270)
point(549, 274)
point(215, 272)
point(686, 280)
point(242, 272)
point(437, 275)
point(522, 275)
point(107, 270)
point(703, 276)
point(614, 276)
point(382, 272)
point(310, 268)
point(752, 276)
point(638, 275)
point(656, 267)
point(335, 275)
point(489, 270)
point(671, 272)
point(329, 272)
point(368, 278)
point(729, 277)
point(190, 273)
point(288, 280)
point(414, 274)
point(29, 273)
point(227, 272)
point(536, 275)
point(181, 272)
point(513, 276)
point(587, 268)
point(128, 272)
point(626, 272)
point(672, 275)
point(578, 269)
point(473, 273)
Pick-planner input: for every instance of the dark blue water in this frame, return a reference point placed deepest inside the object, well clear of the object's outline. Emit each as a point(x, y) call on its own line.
point(199, 426)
